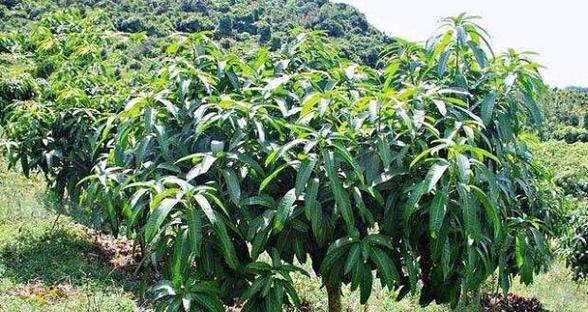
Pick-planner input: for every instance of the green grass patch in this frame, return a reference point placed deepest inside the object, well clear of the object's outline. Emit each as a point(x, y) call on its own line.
point(53, 268)
point(59, 269)
point(556, 290)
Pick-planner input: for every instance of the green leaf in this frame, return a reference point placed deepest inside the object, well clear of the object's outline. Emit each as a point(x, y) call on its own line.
point(463, 166)
point(384, 151)
point(427, 152)
point(437, 211)
point(291, 291)
point(385, 267)
point(134, 107)
point(272, 176)
point(479, 54)
point(442, 65)
point(415, 196)
point(284, 208)
point(469, 211)
point(304, 173)
point(520, 250)
point(489, 207)
point(246, 159)
point(354, 164)
point(264, 201)
point(441, 107)
point(364, 212)
point(434, 175)
point(201, 168)
point(379, 240)
point(163, 140)
point(352, 258)
point(487, 107)
point(233, 185)
point(310, 198)
point(180, 257)
point(335, 252)
point(309, 103)
point(279, 153)
point(210, 303)
point(365, 286)
point(194, 220)
point(534, 109)
point(220, 230)
point(255, 287)
point(341, 197)
point(158, 216)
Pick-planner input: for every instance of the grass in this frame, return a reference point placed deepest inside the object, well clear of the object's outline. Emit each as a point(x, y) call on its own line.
point(47, 268)
point(57, 270)
point(63, 268)
point(556, 290)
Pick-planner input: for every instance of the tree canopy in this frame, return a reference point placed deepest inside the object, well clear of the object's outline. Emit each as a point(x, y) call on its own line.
point(230, 169)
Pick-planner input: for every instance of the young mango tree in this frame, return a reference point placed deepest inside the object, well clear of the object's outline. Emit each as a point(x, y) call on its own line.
point(416, 173)
point(229, 170)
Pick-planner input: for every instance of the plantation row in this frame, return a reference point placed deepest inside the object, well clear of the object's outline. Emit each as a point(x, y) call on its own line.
point(229, 169)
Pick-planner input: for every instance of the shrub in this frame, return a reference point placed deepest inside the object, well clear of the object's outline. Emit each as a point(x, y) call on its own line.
point(6, 43)
point(194, 6)
point(226, 43)
point(326, 160)
point(276, 42)
point(45, 68)
point(562, 107)
point(131, 25)
point(188, 24)
point(265, 33)
point(228, 170)
point(571, 134)
point(568, 163)
point(332, 27)
point(18, 89)
point(245, 27)
point(577, 245)
point(225, 26)
point(10, 4)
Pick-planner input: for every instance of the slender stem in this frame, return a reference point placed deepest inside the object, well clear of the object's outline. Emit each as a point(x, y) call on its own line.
point(55, 222)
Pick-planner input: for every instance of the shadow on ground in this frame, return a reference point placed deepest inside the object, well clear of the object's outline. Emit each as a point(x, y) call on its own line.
point(63, 255)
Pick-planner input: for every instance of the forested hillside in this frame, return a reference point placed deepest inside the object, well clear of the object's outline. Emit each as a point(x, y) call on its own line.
point(236, 24)
point(566, 114)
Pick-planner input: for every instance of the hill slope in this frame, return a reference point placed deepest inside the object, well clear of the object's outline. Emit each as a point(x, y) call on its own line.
point(238, 24)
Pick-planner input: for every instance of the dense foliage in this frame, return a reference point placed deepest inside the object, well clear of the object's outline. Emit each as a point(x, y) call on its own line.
point(577, 259)
point(566, 114)
point(569, 168)
point(238, 24)
point(228, 168)
point(568, 163)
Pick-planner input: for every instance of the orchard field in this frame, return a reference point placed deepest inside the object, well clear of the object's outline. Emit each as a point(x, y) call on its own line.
point(279, 155)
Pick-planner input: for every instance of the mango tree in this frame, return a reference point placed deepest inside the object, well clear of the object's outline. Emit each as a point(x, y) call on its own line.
point(230, 171)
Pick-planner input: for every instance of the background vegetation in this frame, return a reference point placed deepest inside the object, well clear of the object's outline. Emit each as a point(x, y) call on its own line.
point(238, 25)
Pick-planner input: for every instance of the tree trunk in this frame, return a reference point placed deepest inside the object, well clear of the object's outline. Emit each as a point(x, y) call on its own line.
point(334, 294)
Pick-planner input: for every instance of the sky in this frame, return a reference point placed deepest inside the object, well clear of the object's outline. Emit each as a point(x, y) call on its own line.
point(557, 30)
